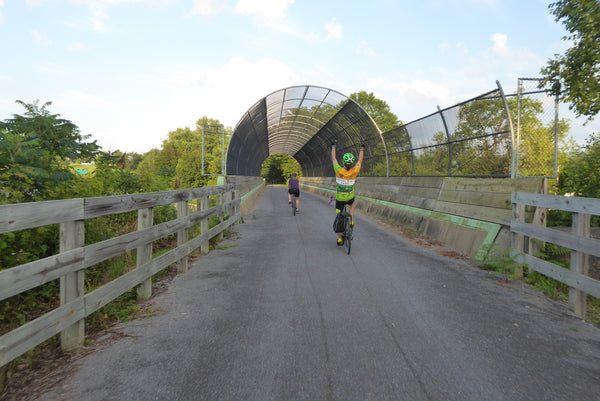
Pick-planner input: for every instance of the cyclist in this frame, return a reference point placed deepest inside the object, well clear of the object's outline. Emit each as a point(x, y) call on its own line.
point(345, 178)
point(294, 188)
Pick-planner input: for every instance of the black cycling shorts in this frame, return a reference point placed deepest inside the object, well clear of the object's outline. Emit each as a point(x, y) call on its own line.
point(339, 205)
point(294, 191)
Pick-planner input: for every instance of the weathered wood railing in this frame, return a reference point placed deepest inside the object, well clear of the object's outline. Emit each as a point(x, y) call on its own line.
point(578, 241)
point(69, 265)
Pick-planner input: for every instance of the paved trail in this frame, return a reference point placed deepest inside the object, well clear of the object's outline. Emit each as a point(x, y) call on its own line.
point(286, 315)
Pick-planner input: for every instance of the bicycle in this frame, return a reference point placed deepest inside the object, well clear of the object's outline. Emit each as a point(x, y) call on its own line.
point(294, 203)
point(347, 233)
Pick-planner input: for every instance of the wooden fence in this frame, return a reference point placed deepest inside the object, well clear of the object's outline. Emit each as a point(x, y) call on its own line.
point(74, 256)
point(578, 241)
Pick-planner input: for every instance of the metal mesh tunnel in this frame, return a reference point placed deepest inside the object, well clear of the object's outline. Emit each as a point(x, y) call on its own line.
point(303, 121)
point(474, 138)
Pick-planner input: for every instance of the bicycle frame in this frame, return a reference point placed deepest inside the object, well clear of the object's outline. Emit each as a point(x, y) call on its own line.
point(347, 233)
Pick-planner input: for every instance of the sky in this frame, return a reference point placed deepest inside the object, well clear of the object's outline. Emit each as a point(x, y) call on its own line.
point(128, 72)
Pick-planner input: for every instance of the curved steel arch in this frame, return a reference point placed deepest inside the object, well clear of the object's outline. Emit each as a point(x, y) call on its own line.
point(303, 121)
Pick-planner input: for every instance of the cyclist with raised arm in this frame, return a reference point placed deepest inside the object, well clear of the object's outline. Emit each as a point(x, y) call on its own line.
point(294, 188)
point(345, 177)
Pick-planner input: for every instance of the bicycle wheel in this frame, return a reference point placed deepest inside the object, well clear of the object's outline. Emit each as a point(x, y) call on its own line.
point(347, 234)
point(294, 204)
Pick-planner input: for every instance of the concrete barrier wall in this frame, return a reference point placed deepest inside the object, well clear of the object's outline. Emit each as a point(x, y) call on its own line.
point(469, 215)
point(251, 189)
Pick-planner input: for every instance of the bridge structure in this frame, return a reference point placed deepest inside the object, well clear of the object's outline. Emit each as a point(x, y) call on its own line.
point(513, 134)
point(466, 212)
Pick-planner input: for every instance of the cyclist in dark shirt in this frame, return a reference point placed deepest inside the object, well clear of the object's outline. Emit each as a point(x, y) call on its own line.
point(294, 188)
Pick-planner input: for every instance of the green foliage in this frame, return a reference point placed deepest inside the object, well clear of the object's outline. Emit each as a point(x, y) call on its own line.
point(580, 174)
point(378, 109)
point(500, 261)
point(35, 153)
point(155, 176)
point(552, 253)
point(559, 218)
point(178, 164)
point(558, 256)
point(575, 75)
point(38, 152)
point(22, 308)
point(121, 309)
point(25, 246)
point(550, 287)
point(277, 169)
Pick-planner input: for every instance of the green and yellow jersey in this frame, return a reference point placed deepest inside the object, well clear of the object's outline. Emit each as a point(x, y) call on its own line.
point(345, 180)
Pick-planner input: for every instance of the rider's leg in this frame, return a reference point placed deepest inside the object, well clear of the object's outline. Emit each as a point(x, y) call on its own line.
point(338, 208)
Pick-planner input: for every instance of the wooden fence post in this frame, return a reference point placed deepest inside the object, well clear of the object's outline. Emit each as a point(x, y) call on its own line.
point(517, 241)
point(182, 236)
point(204, 204)
point(579, 264)
point(237, 209)
point(539, 219)
point(72, 236)
point(222, 199)
point(144, 253)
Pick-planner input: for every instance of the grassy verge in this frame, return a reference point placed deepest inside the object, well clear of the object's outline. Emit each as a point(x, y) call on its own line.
point(499, 261)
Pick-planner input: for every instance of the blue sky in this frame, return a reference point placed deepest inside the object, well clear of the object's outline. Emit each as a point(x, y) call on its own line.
point(128, 72)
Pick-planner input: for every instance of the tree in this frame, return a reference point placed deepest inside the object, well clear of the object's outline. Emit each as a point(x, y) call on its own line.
point(575, 76)
point(378, 109)
point(35, 152)
point(152, 173)
point(276, 169)
point(581, 173)
point(190, 171)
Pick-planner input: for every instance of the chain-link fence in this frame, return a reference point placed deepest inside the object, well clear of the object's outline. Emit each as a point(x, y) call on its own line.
point(537, 132)
point(470, 139)
point(475, 138)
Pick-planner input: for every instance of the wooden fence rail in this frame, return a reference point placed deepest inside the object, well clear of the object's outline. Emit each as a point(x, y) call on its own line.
point(74, 257)
point(578, 241)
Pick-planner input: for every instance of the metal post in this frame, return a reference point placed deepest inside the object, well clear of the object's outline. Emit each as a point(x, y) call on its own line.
point(449, 142)
point(202, 168)
point(555, 137)
point(512, 130)
point(518, 150)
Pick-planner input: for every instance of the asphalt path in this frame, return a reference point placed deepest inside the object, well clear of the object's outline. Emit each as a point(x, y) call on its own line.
point(282, 313)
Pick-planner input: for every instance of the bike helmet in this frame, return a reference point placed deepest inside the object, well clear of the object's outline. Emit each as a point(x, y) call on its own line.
point(293, 175)
point(348, 158)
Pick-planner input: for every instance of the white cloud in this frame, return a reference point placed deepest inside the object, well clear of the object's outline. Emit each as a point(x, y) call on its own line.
point(410, 100)
point(364, 49)
point(334, 30)
point(225, 93)
point(500, 44)
point(77, 47)
point(272, 10)
point(99, 16)
point(208, 7)
point(1, 17)
point(445, 46)
point(40, 38)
